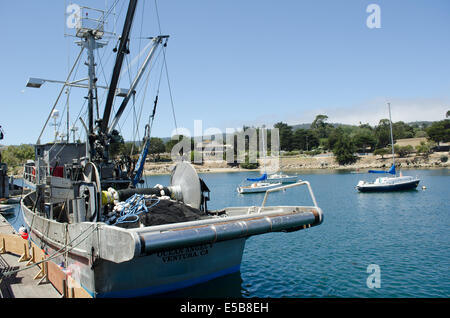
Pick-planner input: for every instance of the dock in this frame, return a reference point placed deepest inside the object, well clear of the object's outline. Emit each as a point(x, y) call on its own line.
point(32, 276)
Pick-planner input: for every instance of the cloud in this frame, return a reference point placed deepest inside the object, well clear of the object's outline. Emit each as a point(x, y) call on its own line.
point(366, 112)
point(402, 109)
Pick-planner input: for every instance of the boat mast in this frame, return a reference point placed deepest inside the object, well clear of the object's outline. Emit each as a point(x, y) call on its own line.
point(392, 137)
point(262, 132)
point(122, 50)
point(90, 44)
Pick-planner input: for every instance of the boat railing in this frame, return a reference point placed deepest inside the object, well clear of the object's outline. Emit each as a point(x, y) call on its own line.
point(33, 176)
point(297, 184)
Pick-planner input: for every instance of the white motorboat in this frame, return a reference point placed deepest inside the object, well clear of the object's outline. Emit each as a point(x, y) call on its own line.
point(283, 178)
point(258, 187)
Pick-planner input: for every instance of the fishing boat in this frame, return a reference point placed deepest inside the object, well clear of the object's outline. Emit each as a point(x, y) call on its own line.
point(114, 237)
point(392, 181)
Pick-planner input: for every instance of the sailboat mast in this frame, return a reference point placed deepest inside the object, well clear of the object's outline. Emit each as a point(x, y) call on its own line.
point(262, 131)
point(392, 136)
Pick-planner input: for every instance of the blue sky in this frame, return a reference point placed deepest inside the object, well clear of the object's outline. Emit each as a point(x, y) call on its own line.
point(247, 62)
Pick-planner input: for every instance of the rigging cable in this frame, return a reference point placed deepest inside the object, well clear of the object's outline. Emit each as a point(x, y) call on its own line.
point(165, 65)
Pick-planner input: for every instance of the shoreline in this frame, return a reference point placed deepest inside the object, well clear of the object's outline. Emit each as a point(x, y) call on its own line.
point(303, 163)
point(321, 162)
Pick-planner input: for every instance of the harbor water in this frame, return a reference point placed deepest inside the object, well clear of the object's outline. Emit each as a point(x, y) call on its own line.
point(404, 235)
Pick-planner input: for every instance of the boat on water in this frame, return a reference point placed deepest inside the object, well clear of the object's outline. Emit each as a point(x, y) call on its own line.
point(265, 182)
point(114, 237)
point(6, 209)
point(389, 183)
point(281, 177)
point(392, 181)
point(257, 187)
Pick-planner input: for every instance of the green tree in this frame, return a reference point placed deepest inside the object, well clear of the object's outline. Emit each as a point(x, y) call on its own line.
point(156, 146)
point(381, 152)
point(364, 138)
point(320, 126)
point(304, 139)
point(424, 148)
point(439, 131)
point(285, 132)
point(403, 151)
point(382, 133)
point(401, 130)
point(116, 143)
point(15, 156)
point(344, 149)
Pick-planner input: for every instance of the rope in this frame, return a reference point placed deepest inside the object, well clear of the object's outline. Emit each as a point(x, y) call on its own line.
point(133, 207)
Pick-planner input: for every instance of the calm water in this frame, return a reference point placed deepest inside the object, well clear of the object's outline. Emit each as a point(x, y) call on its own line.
point(405, 233)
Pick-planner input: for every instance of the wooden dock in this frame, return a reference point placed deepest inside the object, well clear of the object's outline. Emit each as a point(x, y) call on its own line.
point(32, 278)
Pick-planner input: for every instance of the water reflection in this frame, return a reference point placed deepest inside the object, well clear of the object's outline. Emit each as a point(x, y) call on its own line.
point(228, 286)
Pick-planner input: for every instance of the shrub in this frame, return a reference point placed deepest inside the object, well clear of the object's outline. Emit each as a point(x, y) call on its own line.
point(249, 165)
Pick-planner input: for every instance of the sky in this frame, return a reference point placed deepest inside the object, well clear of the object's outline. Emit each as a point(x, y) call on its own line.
point(233, 63)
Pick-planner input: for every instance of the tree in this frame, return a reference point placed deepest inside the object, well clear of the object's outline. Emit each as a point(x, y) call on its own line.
point(403, 151)
point(439, 131)
point(116, 143)
point(381, 152)
point(17, 155)
point(401, 130)
point(424, 148)
point(344, 149)
point(285, 132)
point(320, 126)
point(304, 139)
point(364, 138)
point(156, 146)
point(382, 133)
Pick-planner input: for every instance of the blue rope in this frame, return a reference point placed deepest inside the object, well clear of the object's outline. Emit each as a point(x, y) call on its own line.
point(136, 206)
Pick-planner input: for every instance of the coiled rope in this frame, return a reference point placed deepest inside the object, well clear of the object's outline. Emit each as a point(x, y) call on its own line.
point(134, 206)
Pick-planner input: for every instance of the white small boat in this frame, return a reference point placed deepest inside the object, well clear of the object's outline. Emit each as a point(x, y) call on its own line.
point(280, 177)
point(6, 209)
point(258, 187)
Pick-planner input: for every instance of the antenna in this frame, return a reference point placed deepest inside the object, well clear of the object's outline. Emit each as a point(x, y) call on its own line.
point(55, 116)
point(74, 129)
